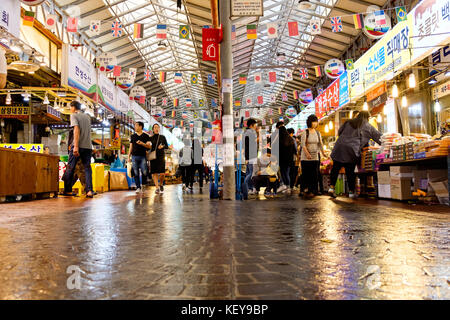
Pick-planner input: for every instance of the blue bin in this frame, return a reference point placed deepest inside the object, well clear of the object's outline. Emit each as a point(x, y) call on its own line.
point(130, 180)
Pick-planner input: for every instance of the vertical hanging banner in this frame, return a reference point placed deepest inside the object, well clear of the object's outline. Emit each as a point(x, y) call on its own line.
point(245, 8)
point(11, 10)
point(210, 44)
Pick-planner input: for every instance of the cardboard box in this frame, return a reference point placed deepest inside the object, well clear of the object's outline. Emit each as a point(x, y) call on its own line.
point(420, 179)
point(401, 171)
point(437, 175)
point(440, 188)
point(401, 188)
point(384, 177)
point(384, 191)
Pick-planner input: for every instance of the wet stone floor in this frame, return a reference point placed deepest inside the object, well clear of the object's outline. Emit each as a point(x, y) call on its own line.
point(185, 246)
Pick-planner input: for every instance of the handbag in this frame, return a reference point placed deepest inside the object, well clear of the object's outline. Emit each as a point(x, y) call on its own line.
point(152, 155)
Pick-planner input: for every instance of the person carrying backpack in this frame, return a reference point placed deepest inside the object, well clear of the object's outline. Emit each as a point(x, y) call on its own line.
point(185, 163)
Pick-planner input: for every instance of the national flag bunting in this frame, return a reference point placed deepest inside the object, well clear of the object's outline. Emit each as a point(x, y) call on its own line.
point(248, 101)
point(201, 102)
point(147, 75)
point(28, 19)
point(272, 30)
point(188, 102)
point(213, 103)
point(257, 78)
point(284, 96)
point(161, 31)
point(270, 112)
point(358, 20)
point(280, 110)
point(174, 113)
point(194, 78)
point(116, 71)
point(162, 76)
point(116, 29)
point(293, 28)
point(260, 99)
point(211, 79)
point(153, 101)
point(272, 76)
point(233, 32)
point(314, 25)
point(175, 102)
point(319, 90)
point(295, 94)
point(142, 99)
point(242, 79)
point(50, 21)
point(336, 24)
point(349, 64)
point(401, 13)
point(178, 77)
point(303, 73)
point(288, 75)
point(72, 24)
point(164, 101)
point(380, 18)
point(184, 32)
point(138, 31)
point(237, 103)
point(273, 98)
point(132, 73)
point(95, 26)
point(251, 31)
point(318, 71)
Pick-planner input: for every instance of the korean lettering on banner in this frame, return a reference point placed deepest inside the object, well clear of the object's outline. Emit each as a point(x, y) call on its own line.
point(344, 97)
point(106, 91)
point(328, 100)
point(14, 112)
point(241, 8)
point(77, 72)
point(10, 16)
point(39, 148)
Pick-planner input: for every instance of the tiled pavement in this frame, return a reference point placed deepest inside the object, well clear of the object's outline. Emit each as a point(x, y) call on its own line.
point(185, 246)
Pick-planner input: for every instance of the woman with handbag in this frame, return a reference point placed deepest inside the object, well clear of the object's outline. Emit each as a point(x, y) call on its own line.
point(139, 144)
point(353, 136)
point(157, 158)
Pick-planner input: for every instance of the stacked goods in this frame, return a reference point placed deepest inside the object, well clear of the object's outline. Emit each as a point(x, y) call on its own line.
point(366, 159)
point(409, 151)
point(398, 152)
point(401, 182)
point(440, 148)
point(384, 184)
point(387, 140)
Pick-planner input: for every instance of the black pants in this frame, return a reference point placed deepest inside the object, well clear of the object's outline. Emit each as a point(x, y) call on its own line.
point(200, 169)
point(319, 177)
point(264, 181)
point(310, 175)
point(185, 175)
point(293, 173)
point(349, 172)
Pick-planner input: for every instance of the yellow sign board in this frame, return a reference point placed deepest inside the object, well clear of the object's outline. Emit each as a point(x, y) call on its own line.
point(39, 148)
point(14, 111)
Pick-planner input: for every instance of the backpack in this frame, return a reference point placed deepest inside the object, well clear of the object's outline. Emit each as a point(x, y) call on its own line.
point(186, 158)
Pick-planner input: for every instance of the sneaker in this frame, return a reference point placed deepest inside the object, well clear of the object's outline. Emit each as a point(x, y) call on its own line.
point(332, 193)
point(352, 195)
point(267, 194)
point(184, 187)
point(162, 189)
point(142, 189)
point(138, 190)
point(157, 191)
point(281, 188)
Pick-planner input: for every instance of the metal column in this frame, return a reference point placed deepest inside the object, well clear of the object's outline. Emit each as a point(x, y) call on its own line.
point(226, 63)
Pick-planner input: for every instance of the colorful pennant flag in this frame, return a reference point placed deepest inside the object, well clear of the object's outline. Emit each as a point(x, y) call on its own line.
point(175, 102)
point(153, 101)
point(272, 76)
point(270, 112)
point(319, 90)
point(211, 79)
point(178, 77)
point(257, 78)
point(72, 24)
point(295, 94)
point(273, 98)
point(161, 31)
point(248, 101)
point(164, 101)
point(293, 28)
point(188, 102)
point(349, 64)
point(242, 79)
point(142, 99)
point(201, 102)
point(380, 18)
point(213, 103)
point(358, 20)
point(280, 110)
point(401, 13)
point(116, 29)
point(138, 31)
point(116, 71)
point(184, 32)
point(288, 75)
point(303, 73)
point(318, 71)
point(260, 99)
point(314, 25)
point(50, 21)
point(284, 96)
point(28, 19)
point(272, 30)
point(163, 112)
point(233, 32)
point(251, 31)
point(336, 24)
point(247, 114)
point(132, 73)
point(162, 76)
point(194, 79)
point(147, 75)
point(237, 103)
point(174, 113)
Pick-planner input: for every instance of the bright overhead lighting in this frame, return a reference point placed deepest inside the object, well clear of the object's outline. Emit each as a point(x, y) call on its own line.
point(305, 5)
point(330, 124)
point(26, 97)
point(404, 102)
point(437, 106)
point(379, 118)
point(351, 114)
point(412, 80)
point(8, 98)
point(326, 128)
point(16, 48)
point(365, 106)
point(46, 100)
point(395, 91)
point(432, 81)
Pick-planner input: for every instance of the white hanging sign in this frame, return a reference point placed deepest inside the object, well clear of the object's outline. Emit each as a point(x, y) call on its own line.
point(245, 8)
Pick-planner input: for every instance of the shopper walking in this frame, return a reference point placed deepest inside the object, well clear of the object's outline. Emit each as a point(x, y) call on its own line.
point(158, 164)
point(81, 149)
point(311, 146)
point(353, 136)
point(197, 164)
point(294, 169)
point(287, 151)
point(251, 154)
point(139, 144)
point(265, 173)
point(185, 157)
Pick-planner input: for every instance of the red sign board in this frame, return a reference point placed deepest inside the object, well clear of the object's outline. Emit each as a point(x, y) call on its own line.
point(210, 42)
point(328, 100)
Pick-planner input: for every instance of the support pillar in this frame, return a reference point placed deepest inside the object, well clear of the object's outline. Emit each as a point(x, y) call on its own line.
point(226, 64)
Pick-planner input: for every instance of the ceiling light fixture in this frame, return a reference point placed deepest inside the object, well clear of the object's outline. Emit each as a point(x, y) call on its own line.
point(46, 101)
point(365, 106)
point(395, 91)
point(412, 80)
point(404, 102)
point(8, 98)
point(437, 106)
